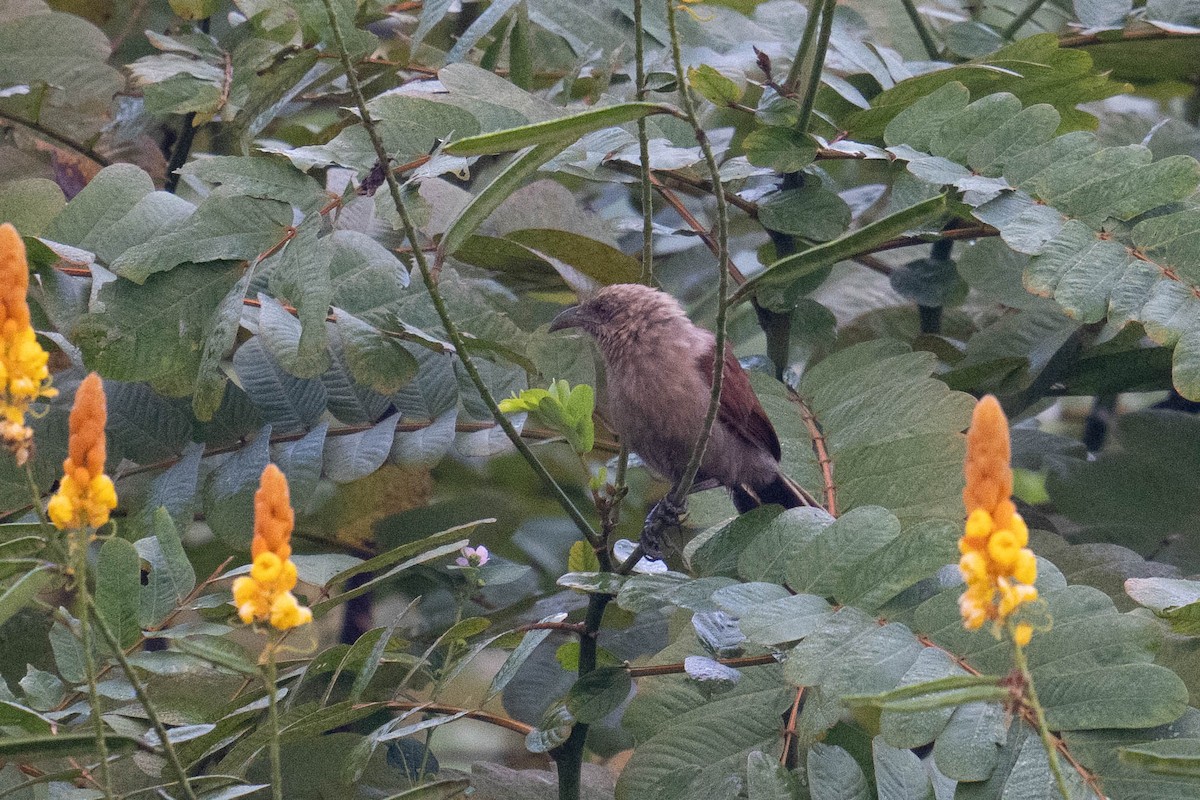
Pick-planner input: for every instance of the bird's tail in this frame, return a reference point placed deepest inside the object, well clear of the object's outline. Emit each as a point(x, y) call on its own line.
point(782, 491)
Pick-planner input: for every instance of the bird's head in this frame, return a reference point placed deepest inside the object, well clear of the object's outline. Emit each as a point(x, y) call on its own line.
point(621, 313)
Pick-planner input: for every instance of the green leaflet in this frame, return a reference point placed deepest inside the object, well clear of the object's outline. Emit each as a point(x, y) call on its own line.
point(1059, 200)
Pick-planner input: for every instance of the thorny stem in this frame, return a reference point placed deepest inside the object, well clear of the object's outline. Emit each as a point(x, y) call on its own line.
point(435, 295)
point(140, 691)
point(1040, 715)
point(270, 677)
point(680, 491)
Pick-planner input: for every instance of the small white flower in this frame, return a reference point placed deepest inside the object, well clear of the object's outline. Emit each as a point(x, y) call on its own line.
point(472, 557)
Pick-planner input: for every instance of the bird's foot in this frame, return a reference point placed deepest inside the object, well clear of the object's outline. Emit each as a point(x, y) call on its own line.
point(665, 515)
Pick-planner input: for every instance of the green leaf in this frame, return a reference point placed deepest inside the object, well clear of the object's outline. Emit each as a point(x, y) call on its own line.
point(479, 28)
point(785, 272)
point(302, 276)
point(62, 745)
point(899, 774)
point(1170, 757)
point(767, 779)
point(520, 654)
point(496, 192)
point(262, 177)
point(598, 693)
point(780, 148)
point(155, 332)
point(118, 590)
point(71, 90)
point(287, 402)
point(29, 204)
point(582, 558)
point(15, 715)
point(592, 582)
point(220, 651)
point(827, 564)
point(713, 86)
point(171, 577)
point(595, 259)
point(322, 606)
point(833, 774)
point(970, 746)
point(20, 592)
point(768, 615)
point(562, 130)
point(348, 458)
point(1173, 599)
point(1120, 696)
point(813, 212)
point(236, 228)
point(229, 491)
point(375, 359)
point(673, 718)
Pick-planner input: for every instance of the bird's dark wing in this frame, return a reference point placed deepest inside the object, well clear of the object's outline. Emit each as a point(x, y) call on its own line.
point(740, 410)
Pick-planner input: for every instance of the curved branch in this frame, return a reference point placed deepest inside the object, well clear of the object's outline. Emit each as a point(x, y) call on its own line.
point(57, 138)
point(483, 716)
point(677, 668)
point(820, 448)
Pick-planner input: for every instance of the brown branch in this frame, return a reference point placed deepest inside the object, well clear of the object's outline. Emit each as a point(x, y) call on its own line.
point(57, 138)
point(677, 668)
point(789, 731)
point(954, 234)
point(482, 716)
point(709, 240)
point(821, 450)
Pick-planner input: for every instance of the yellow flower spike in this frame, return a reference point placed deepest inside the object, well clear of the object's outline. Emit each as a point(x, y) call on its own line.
point(265, 594)
point(996, 565)
point(24, 374)
point(85, 494)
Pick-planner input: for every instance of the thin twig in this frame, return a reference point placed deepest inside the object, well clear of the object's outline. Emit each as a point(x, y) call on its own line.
point(639, 58)
point(680, 667)
point(1039, 715)
point(57, 138)
point(680, 491)
point(817, 436)
point(483, 716)
point(709, 240)
point(789, 730)
point(435, 295)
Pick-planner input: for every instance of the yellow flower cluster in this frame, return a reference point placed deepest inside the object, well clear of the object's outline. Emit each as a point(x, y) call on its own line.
point(996, 563)
point(265, 595)
point(85, 494)
point(24, 374)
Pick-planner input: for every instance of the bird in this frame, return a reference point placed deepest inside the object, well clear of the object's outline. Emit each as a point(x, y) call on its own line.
point(658, 385)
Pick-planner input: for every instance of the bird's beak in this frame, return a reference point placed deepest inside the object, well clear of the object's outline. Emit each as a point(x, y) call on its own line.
point(568, 318)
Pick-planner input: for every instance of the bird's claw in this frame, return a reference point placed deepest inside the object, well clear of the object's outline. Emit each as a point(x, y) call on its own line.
point(665, 515)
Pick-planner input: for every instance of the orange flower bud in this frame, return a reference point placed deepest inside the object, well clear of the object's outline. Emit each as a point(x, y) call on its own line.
point(85, 494)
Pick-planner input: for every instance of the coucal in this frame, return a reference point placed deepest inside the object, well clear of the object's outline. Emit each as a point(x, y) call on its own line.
point(659, 369)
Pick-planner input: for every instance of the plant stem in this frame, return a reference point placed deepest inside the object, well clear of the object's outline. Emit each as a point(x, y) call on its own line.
point(144, 699)
point(187, 135)
point(639, 57)
point(87, 640)
point(1047, 739)
point(569, 756)
point(271, 675)
point(680, 491)
point(1022, 18)
point(435, 296)
point(798, 70)
point(926, 37)
point(815, 61)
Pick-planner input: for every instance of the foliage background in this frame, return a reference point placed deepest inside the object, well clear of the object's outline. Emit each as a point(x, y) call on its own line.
point(1014, 212)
